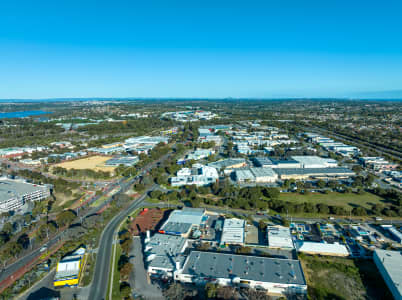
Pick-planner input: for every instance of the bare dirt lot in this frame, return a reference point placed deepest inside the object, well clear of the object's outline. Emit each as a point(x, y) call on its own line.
point(96, 163)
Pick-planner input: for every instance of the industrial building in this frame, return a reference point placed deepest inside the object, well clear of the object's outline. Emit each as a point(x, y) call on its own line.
point(389, 263)
point(277, 276)
point(315, 162)
point(227, 165)
point(322, 248)
point(301, 174)
point(256, 175)
point(162, 251)
point(233, 232)
point(15, 193)
point(181, 222)
point(377, 163)
point(68, 271)
point(127, 161)
point(106, 151)
point(198, 175)
point(279, 237)
point(199, 154)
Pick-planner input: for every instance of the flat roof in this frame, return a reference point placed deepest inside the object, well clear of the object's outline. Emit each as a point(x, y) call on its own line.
point(392, 263)
point(162, 250)
point(256, 268)
point(15, 188)
point(224, 163)
point(324, 248)
point(244, 175)
point(279, 236)
point(233, 231)
point(313, 160)
point(180, 221)
point(68, 267)
point(263, 172)
point(313, 171)
point(124, 160)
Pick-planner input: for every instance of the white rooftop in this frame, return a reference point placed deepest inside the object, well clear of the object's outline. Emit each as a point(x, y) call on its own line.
point(322, 248)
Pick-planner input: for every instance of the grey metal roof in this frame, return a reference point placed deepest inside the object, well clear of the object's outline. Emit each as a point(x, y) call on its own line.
point(262, 172)
point(11, 188)
point(124, 160)
point(392, 263)
point(314, 171)
point(264, 269)
point(224, 163)
point(182, 220)
point(166, 249)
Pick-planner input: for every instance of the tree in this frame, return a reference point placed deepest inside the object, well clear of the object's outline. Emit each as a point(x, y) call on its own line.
point(321, 183)
point(8, 228)
point(357, 169)
point(126, 246)
point(272, 193)
point(125, 290)
point(65, 218)
point(23, 240)
point(126, 270)
point(359, 211)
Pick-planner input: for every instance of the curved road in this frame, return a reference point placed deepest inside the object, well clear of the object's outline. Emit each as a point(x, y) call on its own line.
point(100, 280)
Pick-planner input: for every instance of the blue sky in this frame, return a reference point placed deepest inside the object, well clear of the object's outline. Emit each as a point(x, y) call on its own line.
point(128, 48)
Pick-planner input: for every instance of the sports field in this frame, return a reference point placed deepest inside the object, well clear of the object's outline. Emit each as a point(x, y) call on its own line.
point(96, 163)
point(347, 200)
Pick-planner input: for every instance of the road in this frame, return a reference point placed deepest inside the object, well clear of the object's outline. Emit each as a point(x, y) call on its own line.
point(102, 267)
point(124, 186)
point(392, 153)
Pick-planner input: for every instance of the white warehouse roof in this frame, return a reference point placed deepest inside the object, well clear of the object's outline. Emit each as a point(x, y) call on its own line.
point(233, 231)
point(279, 237)
point(322, 248)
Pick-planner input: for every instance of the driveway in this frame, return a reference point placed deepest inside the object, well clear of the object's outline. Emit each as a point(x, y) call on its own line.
point(139, 280)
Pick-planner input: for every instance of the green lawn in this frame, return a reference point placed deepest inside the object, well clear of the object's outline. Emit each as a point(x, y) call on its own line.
point(348, 200)
point(116, 275)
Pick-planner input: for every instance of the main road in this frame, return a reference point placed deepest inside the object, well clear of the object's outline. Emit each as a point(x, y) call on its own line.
point(101, 276)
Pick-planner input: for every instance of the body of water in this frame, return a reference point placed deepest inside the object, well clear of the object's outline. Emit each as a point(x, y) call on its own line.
point(22, 114)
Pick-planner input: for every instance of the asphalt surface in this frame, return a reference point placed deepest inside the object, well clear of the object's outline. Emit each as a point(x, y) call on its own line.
point(139, 280)
point(101, 276)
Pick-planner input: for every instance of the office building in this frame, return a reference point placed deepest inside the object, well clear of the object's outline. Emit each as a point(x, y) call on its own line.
point(15, 193)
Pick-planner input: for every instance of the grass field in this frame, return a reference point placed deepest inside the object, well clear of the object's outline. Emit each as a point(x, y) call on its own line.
point(348, 200)
point(342, 278)
point(96, 163)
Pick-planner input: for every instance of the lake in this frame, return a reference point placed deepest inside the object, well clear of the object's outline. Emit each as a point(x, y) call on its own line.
point(22, 114)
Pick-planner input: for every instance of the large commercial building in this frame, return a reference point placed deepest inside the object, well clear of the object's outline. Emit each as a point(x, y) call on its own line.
point(389, 263)
point(277, 276)
point(227, 165)
point(68, 271)
point(15, 193)
point(181, 222)
point(256, 175)
point(305, 173)
point(315, 162)
point(279, 237)
point(162, 252)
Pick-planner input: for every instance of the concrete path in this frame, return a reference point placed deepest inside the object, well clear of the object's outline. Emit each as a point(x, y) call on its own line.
point(140, 281)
